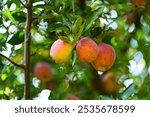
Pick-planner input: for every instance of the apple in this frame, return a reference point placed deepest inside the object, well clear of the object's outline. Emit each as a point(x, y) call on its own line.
point(71, 97)
point(43, 72)
point(148, 9)
point(105, 58)
point(131, 17)
point(138, 2)
point(61, 51)
point(51, 86)
point(87, 50)
point(110, 83)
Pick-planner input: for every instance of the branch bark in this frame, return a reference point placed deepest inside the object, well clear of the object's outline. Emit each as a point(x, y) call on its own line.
point(18, 65)
point(27, 49)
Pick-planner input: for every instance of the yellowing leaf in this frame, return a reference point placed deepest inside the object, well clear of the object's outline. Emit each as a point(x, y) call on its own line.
point(17, 58)
point(44, 53)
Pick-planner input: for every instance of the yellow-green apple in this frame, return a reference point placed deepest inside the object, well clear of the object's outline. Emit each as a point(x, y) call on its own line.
point(61, 51)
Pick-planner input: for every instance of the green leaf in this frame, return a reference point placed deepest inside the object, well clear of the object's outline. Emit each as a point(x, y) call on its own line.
point(19, 16)
point(129, 91)
point(67, 22)
point(80, 32)
point(92, 18)
point(8, 15)
point(77, 25)
point(17, 38)
point(57, 26)
point(74, 58)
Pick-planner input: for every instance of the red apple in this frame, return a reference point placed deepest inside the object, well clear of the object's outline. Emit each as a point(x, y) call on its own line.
point(110, 83)
point(71, 97)
point(87, 50)
point(105, 59)
point(43, 72)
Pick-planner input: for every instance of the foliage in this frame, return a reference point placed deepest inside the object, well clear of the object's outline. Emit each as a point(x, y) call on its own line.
point(120, 23)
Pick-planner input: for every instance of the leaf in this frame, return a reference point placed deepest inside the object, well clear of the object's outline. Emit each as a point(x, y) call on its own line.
point(8, 15)
point(17, 58)
point(57, 26)
point(74, 58)
point(80, 32)
point(66, 22)
point(77, 25)
point(19, 16)
point(92, 18)
point(129, 91)
point(17, 38)
point(47, 16)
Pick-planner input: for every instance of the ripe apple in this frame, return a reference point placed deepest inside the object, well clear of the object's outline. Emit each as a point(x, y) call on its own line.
point(105, 58)
point(61, 51)
point(43, 72)
point(130, 17)
point(71, 97)
point(87, 50)
point(51, 86)
point(110, 83)
point(148, 9)
point(138, 2)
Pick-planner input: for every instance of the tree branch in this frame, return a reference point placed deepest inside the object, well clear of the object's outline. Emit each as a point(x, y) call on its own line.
point(18, 65)
point(22, 3)
point(27, 49)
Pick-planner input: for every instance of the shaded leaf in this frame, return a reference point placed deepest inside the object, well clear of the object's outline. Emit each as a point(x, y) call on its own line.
point(77, 25)
point(129, 91)
point(92, 18)
point(57, 26)
point(17, 38)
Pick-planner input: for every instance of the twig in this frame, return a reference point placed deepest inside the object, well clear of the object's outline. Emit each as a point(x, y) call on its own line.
point(22, 4)
point(27, 49)
point(73, 11)
point(18, 65)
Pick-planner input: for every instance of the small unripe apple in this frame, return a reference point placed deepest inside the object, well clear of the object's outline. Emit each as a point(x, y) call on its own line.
point(61, 51)
point(87, 50)
point(71, 97)
point(110, 83)
point(43, 72)
point(105, 58)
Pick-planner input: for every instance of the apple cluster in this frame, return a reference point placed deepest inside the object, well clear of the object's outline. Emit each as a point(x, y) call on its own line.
point(101, 56)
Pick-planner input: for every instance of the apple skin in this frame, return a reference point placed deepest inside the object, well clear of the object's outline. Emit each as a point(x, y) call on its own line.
point(43, 71)
point(61, 51)
point(105, 59)
point(87, 50)
point(110, 82)
point(130, 17)
point(71, 97)
point(138, 2)
point(51, 86)
point(148, 9)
